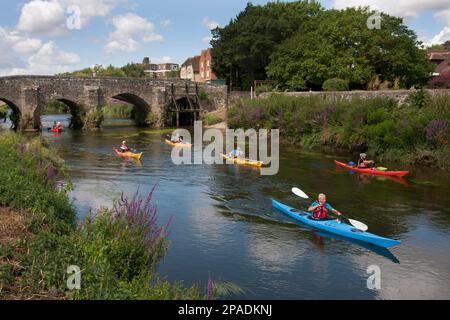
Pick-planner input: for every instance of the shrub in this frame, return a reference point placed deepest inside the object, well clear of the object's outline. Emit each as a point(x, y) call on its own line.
point(419, 99)
point(335, 84)
point(92, 120)
point(264, 88)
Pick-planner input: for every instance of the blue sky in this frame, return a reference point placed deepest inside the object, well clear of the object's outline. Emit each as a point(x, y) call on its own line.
point(34, 37)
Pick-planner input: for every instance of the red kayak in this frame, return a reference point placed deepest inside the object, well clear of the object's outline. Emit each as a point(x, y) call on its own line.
point(373, 170)
point(56, 130)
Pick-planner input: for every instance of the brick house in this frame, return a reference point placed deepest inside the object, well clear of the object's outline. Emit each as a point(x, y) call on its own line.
point(206, 73)
point(198, 68)
point(190, 69)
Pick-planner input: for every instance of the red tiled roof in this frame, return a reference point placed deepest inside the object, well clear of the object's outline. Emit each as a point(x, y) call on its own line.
point(438, 55)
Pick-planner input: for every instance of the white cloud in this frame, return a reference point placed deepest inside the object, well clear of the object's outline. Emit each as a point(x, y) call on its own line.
point(49, 17)
point(43, 17)
point(401, 8)
point(47, 58)
point(409, 9)
point(128, 27)
point(28, 45)
point(210, 24)
point(50, 55)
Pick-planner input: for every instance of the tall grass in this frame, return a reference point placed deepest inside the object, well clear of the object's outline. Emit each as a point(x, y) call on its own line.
point(379, 126)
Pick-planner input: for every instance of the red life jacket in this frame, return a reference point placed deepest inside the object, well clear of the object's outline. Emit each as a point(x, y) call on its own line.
point(321, 213)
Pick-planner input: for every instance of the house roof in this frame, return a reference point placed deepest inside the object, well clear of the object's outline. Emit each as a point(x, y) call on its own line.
point(194, 61)
point(444, 66)
point(438, 54)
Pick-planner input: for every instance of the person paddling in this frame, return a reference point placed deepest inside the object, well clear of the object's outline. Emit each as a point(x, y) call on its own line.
point(364, 163)
point(124, 148)
point(236, 153)
point(321, 208)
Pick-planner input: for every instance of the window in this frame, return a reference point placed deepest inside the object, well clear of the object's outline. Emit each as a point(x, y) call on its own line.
point(208, 63)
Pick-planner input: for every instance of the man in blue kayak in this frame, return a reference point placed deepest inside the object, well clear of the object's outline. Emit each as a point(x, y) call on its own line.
point(321, 208)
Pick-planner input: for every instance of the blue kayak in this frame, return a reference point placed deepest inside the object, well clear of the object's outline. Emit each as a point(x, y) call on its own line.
point(334, 227)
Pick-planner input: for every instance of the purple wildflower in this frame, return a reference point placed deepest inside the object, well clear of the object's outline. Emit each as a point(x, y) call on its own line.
point(51, 171)
point(436, 129)
point(210, 289)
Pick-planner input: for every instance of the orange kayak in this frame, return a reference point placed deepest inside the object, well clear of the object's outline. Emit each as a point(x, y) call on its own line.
point(372, 170)
point(128, 154)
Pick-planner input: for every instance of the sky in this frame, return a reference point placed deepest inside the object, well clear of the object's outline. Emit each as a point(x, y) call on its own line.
point(54, 36)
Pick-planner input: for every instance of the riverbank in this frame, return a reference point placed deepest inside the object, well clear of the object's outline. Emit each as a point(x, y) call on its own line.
point(413, 132)
point(118, 250)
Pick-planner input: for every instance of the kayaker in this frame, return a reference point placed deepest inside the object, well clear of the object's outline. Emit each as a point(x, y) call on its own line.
point(364, 163)
point(124, 148)
point(176, 138)
point(321, 208)
point(236, 153)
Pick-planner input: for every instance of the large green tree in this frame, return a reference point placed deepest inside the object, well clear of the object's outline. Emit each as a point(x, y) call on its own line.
point(343, 46)
point(241, 50)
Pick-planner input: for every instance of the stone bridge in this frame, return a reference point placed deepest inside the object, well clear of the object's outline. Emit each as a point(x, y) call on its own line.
point(157, 102)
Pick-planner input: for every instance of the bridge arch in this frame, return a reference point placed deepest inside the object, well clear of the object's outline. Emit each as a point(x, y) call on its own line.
point(77, 112)
point(16, 114)
point(141, 108)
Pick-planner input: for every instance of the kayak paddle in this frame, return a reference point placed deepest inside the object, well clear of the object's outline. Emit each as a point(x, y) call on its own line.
point(357, 224)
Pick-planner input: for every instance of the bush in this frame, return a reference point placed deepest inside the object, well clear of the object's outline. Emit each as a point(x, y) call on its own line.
point(94, 119)
point(336, 84)
point(419, 99)
point(3, 111)
point(264, 88)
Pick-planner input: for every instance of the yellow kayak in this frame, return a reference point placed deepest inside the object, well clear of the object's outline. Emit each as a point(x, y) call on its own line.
point(128, 154)
point(182, 145)
point(246, 162)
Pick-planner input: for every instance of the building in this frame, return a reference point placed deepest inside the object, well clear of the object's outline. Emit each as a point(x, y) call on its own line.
point(160, 71)
point(206, 73)
point(441, 58)
point(190, 69)
point(199, 68)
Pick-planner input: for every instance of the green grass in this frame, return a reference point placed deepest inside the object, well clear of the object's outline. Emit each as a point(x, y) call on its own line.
point(212, 119)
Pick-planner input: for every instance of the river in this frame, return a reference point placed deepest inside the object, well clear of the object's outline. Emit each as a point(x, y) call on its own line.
point(224, 227)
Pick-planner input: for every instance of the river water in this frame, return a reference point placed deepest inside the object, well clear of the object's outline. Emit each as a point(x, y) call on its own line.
point(224, 226)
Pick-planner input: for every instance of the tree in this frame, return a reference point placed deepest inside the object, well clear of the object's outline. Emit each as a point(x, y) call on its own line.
point(342, 46)
point(134, 70)
point(241, 50)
